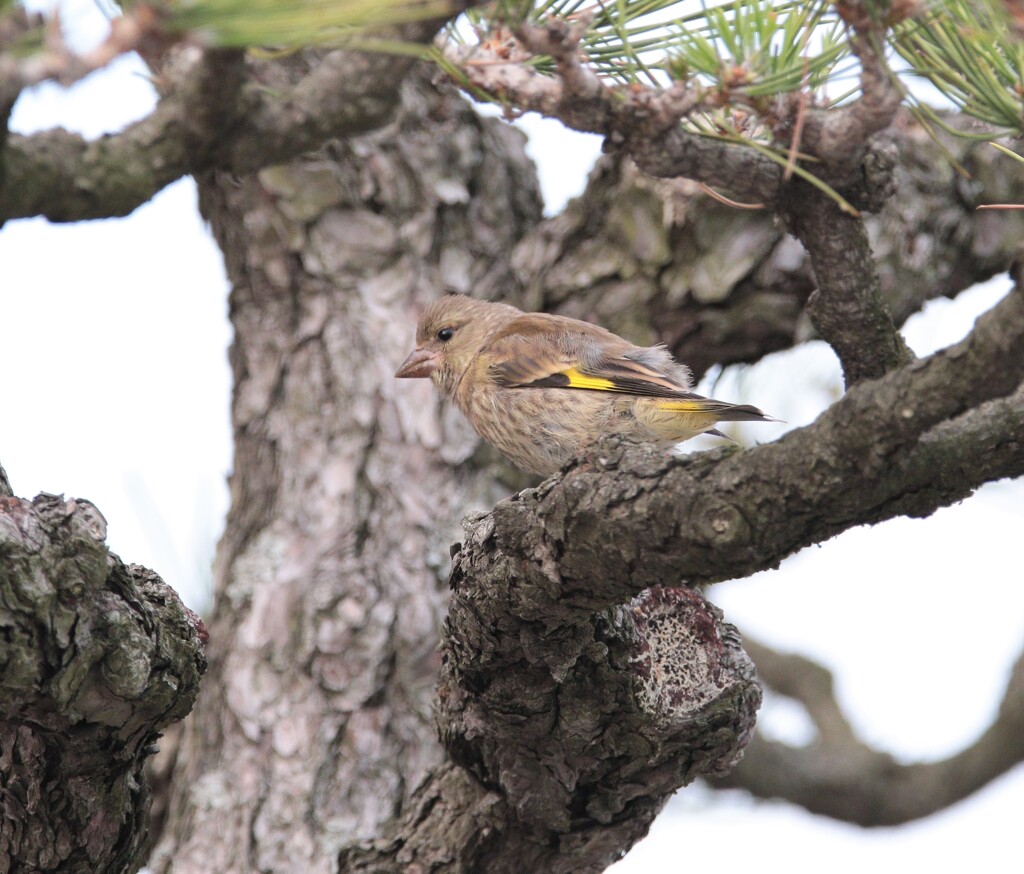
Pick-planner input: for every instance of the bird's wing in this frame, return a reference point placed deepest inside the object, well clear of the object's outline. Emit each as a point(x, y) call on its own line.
point(552, 352)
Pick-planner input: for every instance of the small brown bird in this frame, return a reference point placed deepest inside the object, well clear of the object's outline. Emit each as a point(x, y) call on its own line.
point(540, 388)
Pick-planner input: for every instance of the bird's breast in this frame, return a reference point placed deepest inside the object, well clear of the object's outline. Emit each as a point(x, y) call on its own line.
point(540, 429)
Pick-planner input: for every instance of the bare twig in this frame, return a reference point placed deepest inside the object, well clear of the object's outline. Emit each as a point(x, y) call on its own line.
point(639, 120)
point(840, 136)
point(576, 96)
point(58, 63)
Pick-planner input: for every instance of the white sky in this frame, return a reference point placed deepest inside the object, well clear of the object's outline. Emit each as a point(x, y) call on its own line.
point(116, 388)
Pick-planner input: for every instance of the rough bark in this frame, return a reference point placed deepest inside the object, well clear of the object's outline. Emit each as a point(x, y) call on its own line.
point(98, 659)
point(847, 308)
point(575, 726)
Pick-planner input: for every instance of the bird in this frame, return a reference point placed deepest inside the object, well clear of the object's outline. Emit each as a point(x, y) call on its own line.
point(541, 388)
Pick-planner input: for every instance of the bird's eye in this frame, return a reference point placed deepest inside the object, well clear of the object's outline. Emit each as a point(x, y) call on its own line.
point(445, 334)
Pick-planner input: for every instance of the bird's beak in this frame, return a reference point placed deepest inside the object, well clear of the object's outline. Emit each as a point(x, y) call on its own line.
point(420, 363)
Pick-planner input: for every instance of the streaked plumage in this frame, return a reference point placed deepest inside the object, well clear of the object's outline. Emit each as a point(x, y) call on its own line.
point(540, 388)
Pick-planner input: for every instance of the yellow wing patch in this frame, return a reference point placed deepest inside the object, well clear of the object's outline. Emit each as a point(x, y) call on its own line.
point(581, 380)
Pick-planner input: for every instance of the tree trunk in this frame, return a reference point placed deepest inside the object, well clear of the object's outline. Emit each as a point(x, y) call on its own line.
point(315, 720)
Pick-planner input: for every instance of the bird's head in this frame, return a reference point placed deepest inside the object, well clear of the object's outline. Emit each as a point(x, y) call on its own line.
point(450, 333)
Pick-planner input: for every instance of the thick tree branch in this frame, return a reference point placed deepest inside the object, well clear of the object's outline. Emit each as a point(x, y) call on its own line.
point(66, 177)
point(197, 126)
point(575, 726)
point(840, 776)
point(626, 517)
point(522, 633)
point(847, 309)
point(739, 170)
point(642, 122)
point(98, 658)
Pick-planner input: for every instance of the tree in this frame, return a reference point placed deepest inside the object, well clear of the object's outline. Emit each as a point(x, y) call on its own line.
point(582, 678)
